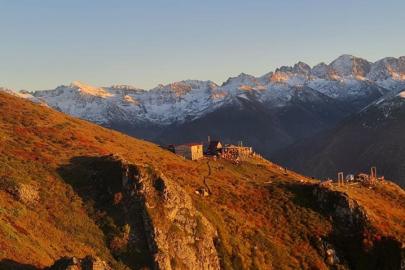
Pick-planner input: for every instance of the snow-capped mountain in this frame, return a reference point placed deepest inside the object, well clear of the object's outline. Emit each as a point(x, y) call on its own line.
point(349, 65)
point(162, 105)
point(319, 97)
point(20, 94)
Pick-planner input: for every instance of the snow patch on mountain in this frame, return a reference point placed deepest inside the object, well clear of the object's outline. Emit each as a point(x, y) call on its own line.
point(86, 89)
point(129, 99)
point(20, 94)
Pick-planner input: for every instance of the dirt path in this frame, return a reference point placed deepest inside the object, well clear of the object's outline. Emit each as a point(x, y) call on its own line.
point(205, 177)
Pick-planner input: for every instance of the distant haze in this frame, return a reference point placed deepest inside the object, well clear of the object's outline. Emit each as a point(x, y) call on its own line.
point(144, 43)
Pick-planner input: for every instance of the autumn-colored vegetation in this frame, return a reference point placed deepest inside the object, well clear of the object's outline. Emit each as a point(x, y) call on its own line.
point(265, 218)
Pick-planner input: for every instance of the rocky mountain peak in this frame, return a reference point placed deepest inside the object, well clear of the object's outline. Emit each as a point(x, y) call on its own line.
point(186, 86)
point(388, 67)
point(241, 79)
point(246, 78)
point(302, 68)
point(349, 65)
point(85, 89)
point(323, 71)
point(284, 69)
point(77, 84)
point(292, 75)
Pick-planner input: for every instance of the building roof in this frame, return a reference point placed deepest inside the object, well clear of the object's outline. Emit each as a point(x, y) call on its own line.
point(191, 144)
point(213, 145)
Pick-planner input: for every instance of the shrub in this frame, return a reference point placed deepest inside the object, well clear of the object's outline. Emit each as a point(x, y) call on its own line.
point(8, 183)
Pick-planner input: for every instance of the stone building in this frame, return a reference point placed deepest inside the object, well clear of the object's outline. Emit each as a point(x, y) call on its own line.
point(191, 151)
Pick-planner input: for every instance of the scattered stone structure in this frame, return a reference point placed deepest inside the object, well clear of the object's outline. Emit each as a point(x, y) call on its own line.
point(236, 152)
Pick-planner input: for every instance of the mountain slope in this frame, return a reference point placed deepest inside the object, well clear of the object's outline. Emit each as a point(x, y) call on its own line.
point(373, 137)
point(266, 129)
point(63, 193)
point(243, 120)
point(310, 111)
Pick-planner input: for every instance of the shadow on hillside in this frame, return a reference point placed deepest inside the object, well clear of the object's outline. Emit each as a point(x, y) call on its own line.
point(304, 196)
point(99, 182)
point(13, 265)
point(79, 174)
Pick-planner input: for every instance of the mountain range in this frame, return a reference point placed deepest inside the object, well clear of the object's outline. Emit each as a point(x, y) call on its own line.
point(268, 113)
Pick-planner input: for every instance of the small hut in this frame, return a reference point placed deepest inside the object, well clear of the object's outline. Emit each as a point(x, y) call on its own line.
point(214, 147)
point(191, 151)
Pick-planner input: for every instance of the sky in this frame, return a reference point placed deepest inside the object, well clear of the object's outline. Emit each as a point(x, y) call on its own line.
point(44, 44)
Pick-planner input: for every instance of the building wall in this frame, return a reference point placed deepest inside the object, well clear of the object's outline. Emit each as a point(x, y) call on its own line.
point(196, 152)
point(190, 152)
point(184, 151)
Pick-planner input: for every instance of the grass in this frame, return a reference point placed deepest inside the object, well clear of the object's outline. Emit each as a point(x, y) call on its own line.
point(260, 224)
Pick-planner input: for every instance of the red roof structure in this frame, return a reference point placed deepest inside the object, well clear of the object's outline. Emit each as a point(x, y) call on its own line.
point(191, 144)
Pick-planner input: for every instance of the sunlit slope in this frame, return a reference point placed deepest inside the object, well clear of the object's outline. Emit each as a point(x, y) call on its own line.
point(265, 218)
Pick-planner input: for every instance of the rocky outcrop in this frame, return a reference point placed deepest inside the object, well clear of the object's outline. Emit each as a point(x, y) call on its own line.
point(347, 211)
point(27, 194)
point(87, 263)
point(179, 235)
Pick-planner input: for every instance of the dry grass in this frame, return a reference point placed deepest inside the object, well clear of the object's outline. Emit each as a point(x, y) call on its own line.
point(266, 218)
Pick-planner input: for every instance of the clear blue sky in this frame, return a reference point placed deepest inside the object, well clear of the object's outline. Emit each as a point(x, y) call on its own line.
point(45, 43)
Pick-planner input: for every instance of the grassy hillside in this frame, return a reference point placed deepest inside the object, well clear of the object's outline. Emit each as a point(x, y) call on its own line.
point(54, 170)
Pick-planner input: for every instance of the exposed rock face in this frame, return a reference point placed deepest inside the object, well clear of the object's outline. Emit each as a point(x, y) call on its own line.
point(179, 236)
point(347, 211)
point(87, 263)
